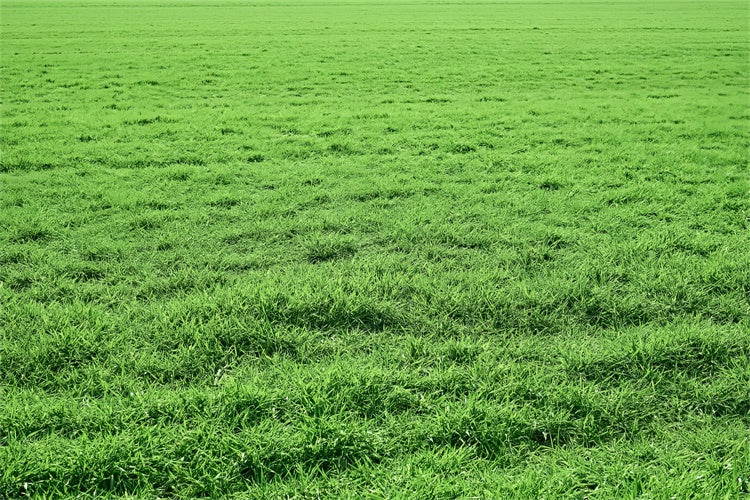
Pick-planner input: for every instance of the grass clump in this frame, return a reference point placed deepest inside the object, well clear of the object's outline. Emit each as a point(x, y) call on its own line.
point(328, 249)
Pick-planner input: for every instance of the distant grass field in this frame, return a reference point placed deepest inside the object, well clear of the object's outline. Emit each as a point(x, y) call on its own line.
point(377, 250)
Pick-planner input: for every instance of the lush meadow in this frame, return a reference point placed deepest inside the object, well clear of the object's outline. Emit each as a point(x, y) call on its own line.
point(359, 249)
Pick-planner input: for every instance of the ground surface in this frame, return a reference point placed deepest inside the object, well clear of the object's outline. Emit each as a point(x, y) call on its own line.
point(402, 249)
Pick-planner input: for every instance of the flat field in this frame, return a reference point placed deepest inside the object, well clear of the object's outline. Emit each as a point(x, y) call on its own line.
point(384, 250)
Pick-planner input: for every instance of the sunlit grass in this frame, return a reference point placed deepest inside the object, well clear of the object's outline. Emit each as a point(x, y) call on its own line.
point(400, 250)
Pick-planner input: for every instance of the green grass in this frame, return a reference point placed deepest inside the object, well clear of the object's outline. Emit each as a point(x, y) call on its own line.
point(380, 250)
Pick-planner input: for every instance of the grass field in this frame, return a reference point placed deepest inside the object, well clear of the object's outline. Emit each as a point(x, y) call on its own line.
point(384, 250)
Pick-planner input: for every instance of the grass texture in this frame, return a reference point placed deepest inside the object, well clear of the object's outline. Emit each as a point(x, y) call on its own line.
point(374, 249)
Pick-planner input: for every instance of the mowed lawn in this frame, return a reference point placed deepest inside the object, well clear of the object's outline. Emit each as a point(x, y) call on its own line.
point(395, 249)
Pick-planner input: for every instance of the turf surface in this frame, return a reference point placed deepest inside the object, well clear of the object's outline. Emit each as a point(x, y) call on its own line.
point(395, 249)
